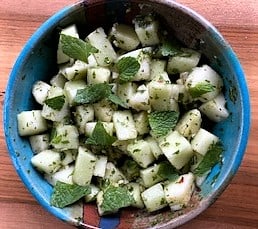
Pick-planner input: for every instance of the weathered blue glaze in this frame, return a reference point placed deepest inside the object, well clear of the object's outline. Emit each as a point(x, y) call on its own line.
point(37, 62)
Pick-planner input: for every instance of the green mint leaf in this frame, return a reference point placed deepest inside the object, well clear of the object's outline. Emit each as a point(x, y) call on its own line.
point(115, 198)
point(167, 171)
point(211, 158)
point(117, 100)
point(170, 48)
point(127, 68)
point(100, 136)
point(56, 103)
point(161, 122)
point(92, 93)
point(200, 89)
point(66, 194)
point(76, 48)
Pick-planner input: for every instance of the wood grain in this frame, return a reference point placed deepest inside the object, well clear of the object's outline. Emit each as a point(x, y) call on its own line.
point(237, 20)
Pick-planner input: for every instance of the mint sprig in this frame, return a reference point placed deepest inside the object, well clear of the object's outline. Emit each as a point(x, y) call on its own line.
point(115, 198)
point(161, 122)
point(100, 136)
point(56, 103)
point(66, 194)
point(76, 48)
point(127, 68)
point(211, 158)
point(200, 89)
point(96, 92)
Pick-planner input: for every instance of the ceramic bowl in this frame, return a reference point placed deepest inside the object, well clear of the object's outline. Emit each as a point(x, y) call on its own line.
point(37, 62)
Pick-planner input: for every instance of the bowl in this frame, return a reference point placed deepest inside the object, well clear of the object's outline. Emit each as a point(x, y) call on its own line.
point(37, 62)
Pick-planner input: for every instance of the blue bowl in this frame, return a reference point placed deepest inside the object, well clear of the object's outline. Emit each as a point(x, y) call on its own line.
point(37, 62)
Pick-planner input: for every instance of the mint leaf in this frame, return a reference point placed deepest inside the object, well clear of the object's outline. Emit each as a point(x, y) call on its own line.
point(200, 89)
point(127, 68)
point(76, 48)
point(170, 48)
point(211, 158)
point(161, 122)
point(117, 100)
point(100, 136)
point(56, 103)
point(66, 194)
point(92, 93)
point(167, 171)
point(115, 198)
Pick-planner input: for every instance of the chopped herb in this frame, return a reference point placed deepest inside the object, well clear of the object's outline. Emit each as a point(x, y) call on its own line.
point(56, 103)
point(170, 48)
point(211, 158)
point(161, 122)
point(100, 136)
point(127, 68)
point(66, 194)
point(76, 48)
point(200, 89)
point(115, 198)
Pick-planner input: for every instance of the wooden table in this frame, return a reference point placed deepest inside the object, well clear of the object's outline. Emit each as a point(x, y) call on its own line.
point(238, 22)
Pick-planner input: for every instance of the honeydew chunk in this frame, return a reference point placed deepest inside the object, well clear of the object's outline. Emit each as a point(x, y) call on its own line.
point(106, 53)
point(89, 127)
point(178, 193)
point(162, 77)
point(104, 110)
point(47, 161)
point(65, 137)
point(82, 115)
point(143, 57)
point(84, 166)
point(176, 148)
point(150, 175)
point(71, 31)
point(98, 75)
point(58, 80)
point(190, 123)
point(141, 122)
point(69, 156)
point(39, 142)
point(114, 175)
point(155, 149)
point(49, 112)
point(100, 167)
point(140, 151)
point(40, 90)
point(93, 195)
point(203, 140)
point(160, 95)
point(70, 89)
point(146, 29)
point(154, 198)
point(204, 76)
point(63, 175)
point(140, 100)
point(124, 37)
point(122, 144)
point(135, 190)
point(180, 93)
point(157, 68)
point(183, 62)
point(215, 109)
point(77, 71)
point(126, 90)
point(124, 125)
point(31, 123)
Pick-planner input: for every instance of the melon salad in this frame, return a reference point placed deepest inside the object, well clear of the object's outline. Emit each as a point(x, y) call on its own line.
point(122, 122)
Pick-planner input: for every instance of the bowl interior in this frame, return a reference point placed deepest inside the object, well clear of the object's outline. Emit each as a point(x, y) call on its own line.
point(38, 62)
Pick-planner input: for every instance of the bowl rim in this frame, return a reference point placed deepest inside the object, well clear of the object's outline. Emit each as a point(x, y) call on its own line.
point(51, 22)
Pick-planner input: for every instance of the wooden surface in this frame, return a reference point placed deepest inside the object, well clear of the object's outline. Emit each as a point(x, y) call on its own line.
point(237, 20)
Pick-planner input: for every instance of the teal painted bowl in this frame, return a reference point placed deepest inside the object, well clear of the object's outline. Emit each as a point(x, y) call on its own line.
point(37, 62)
